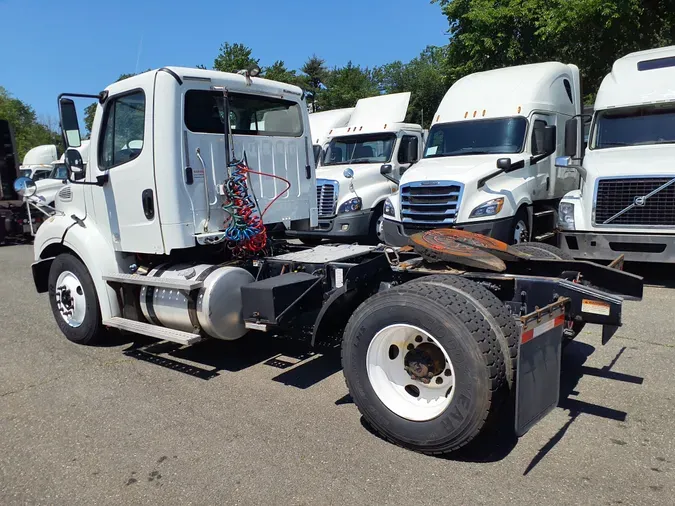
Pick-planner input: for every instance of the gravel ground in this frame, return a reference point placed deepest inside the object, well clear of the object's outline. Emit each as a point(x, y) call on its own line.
point(264, 422)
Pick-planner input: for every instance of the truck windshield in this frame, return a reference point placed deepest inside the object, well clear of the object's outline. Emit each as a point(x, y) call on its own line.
point(25, 172)
point(60, 171)
point(477, 137)
point(634, 126)
point(370, 148)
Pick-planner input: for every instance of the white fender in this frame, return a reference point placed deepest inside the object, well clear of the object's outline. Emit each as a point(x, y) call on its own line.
point(92, 248)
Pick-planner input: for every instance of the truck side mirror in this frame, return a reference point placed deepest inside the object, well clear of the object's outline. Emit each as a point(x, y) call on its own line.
point(504, 164)
point(73, 160)
point(550, 141)
point(571, 136)
point(409, 150)
point(317, 154)
point(25, 187)
point(69, 124)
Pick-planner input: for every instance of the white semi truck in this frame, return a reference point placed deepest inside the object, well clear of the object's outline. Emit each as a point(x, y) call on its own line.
point(37, 162)
point(164, 234)
point(489, 164)
point(626, 203)
point(360, 165)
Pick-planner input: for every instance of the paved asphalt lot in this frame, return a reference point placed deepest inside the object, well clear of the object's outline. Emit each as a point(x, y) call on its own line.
point(250, 423)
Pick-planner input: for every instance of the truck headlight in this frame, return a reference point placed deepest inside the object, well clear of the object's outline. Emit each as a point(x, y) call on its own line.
point(490, 208)
point(566, 216)
point(351, 205)
point(389, 209)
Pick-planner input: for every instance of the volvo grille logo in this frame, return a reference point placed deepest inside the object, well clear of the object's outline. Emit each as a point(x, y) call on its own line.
point(640, 201)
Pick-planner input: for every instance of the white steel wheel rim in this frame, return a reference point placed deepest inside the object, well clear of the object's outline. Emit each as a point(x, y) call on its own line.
point(393, 384)
point(70, 299)
point(519, 232)
point(379, 228)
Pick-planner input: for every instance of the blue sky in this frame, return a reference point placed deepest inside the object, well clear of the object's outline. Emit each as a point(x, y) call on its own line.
point(54, 46)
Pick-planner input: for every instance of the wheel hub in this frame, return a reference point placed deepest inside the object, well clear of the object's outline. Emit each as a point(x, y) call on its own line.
point(424, 362)
point(70, 299)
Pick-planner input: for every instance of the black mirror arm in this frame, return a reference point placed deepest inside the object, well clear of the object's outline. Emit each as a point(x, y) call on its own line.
point(514, 166)
point(100, 180)
point(392, 179)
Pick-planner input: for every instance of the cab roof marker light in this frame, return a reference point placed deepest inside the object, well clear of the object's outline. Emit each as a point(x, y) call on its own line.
point(474, 113)
point(385, 126)
point(484, 112)
point(519, 109)
point(438, 118)
point(466, 114)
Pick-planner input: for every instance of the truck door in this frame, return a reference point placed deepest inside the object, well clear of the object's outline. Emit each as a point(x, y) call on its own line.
point(542, 172)
point(122, 150)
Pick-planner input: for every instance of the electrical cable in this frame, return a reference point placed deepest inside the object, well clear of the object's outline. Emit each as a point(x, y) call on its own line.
point(246, 232)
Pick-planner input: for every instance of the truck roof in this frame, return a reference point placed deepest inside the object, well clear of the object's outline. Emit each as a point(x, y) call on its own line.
point(639, 78)
point(321, 123)
point(372, 129)
point(234, 82)
point(511, 91)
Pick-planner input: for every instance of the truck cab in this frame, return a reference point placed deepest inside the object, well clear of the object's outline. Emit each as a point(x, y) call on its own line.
point(488, 166)
point(360, 165)
point(626, 202)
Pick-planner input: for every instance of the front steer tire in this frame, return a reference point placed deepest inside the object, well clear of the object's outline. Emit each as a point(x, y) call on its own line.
point(90, 331)
point(459, 326)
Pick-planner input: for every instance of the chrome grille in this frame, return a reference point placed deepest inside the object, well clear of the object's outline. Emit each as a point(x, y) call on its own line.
point(326, 197)
point(614, 195)
point(432, 202)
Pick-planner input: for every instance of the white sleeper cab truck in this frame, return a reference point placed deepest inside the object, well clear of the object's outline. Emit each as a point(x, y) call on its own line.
point(322, 123)
point(626, 203)
point(47, 188)
point(166, 235)
point(489, 163)
point(37, 163)
point(360, 167)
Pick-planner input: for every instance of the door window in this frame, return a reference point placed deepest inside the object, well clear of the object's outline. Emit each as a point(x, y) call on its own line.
point(123, 129)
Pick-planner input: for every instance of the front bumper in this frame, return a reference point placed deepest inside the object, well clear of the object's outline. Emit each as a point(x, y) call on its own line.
point(397, 234)
point(634, 247)
point(343, 226)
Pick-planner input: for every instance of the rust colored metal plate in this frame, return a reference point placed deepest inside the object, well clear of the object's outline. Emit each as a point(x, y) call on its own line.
point(497, 248)
point(442, 246)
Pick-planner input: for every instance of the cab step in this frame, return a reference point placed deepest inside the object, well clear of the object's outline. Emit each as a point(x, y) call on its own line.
point(168, 283)
point(544, 237)
point(146, 329)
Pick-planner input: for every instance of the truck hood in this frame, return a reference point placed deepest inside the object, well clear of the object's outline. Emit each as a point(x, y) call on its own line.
point(463, 169)
point(48, 184)
point(335, 172)
point(631, 161)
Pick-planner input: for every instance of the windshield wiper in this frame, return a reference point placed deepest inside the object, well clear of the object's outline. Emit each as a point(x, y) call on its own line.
point(360, 160)
point(607, 144)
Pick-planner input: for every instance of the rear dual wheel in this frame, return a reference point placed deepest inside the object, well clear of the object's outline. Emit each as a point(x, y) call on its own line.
point(427, 363)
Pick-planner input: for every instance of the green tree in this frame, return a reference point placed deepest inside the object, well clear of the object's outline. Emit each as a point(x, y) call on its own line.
point(234, 57)
point(314, 76)
point(90, 110)
point(278, 72)
point(346, 85)
point(28, 131)
point(423, 77)
point(489, 34)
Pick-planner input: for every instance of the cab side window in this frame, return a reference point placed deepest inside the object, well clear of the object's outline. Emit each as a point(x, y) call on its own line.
point(123, 128)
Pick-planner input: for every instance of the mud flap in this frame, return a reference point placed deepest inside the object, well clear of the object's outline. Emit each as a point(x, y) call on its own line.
point(538, 378)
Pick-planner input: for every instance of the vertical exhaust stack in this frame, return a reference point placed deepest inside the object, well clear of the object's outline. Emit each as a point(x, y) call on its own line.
point(9, 167)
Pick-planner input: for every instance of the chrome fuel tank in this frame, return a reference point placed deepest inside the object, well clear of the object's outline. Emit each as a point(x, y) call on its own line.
point(215, 307)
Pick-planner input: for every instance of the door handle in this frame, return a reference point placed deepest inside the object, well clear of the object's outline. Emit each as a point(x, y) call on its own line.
point(148, 204)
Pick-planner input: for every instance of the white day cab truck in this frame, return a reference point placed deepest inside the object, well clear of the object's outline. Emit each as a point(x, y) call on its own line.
point(489, 163)
point(166, 236)
point(363, 156)
point(626, 203)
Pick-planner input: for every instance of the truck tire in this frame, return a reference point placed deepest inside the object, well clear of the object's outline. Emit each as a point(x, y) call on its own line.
point(423, 366)
point(520, 230)
point(376, 233)
point(73, 299)
point(493, 310)
point(543, 251)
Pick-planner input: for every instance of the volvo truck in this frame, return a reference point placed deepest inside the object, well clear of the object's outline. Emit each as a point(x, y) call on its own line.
point(488, 166)
point(626, 202)
point(351, 188)
point(165, 235)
